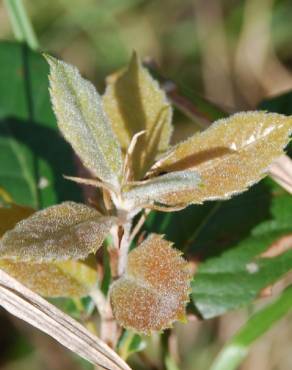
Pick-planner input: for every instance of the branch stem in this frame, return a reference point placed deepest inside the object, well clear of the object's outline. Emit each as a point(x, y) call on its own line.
point(124, 248)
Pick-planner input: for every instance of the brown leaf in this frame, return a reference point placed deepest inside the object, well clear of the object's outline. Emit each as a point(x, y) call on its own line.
point(231, 155)
point(62, 232)
point(134, 102)
point(54, 279)
point(154, 289)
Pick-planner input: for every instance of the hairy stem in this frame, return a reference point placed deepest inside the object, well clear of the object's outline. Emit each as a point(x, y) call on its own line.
point(124, 248)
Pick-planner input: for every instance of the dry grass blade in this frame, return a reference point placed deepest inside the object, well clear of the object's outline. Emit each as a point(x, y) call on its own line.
point(30, 307)
point(281, 172)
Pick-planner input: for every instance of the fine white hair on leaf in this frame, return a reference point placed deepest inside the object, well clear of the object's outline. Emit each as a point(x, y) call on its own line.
point(154, 290)
point(231, 155)
point(83, 122)
point(62, 232)
point(156, 189)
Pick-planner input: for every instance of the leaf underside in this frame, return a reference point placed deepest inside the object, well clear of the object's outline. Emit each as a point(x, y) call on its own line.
point(159, 188)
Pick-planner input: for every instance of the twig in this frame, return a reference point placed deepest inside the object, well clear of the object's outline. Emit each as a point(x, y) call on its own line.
point(124, 248)
point(138, 225)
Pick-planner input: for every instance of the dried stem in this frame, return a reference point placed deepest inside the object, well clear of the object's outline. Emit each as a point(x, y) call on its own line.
point(100, 301)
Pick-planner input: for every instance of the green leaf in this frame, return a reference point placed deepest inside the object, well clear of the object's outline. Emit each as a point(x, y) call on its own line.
point(62, 232)
point(130, 343)
point(279, 104)
point(237, 347)
point(29, 169)
point(236, 277)
point(227, 233)
point(83, 122)
point(134, 102)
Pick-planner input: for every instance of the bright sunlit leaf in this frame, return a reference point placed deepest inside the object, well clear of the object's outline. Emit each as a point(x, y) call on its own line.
point(153, 292)
point(54, 279)
point(232, 154)
point(84, 124)
point(134, 102)
point(66, 231)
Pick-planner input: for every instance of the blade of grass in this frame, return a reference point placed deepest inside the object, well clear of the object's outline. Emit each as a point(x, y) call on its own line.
point(21, 24)
point(237, 348)
point(30, 307)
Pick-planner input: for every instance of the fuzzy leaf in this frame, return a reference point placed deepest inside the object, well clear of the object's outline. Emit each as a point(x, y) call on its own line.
point(160, 188)
point(84, 124)
point(134, 102)
point(10, 215)
point(66, 231)
point(55, 279)
point(154, 289)
point(232, 154)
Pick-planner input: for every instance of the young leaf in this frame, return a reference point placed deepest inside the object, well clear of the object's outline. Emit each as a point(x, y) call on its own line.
point(30, 307)
point(163, 189)
point(134, 102)
point(66, 231)
point(54, 279)
point(154, 289)
point(84, 124)
point(232, 154)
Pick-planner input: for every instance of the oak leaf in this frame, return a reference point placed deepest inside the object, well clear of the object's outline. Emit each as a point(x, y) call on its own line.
point(83, 122)
point(63, 232)
point(231, 155)
point(134, 102)
point(154, 289)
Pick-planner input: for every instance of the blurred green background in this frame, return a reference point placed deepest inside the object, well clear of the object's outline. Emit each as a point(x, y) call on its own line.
point(232, 51)
point(235, 53)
